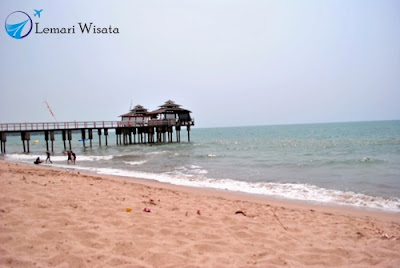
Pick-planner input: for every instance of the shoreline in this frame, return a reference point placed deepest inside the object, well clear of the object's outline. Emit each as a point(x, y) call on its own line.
point(52, 217)
point(235, 194)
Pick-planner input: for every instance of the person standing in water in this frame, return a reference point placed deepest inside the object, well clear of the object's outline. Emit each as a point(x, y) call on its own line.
point(48, 157)
point(74, 156)
point(69, 156)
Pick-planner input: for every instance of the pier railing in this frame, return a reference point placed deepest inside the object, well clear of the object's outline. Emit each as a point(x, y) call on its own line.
point(169, 122)
point(58, 125)
point(10, 127)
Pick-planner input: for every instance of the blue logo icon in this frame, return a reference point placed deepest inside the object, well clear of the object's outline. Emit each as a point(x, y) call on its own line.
point(37, 12)
point(18, 24)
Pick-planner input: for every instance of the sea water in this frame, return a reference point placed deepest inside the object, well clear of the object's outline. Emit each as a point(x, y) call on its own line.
point(346, 164)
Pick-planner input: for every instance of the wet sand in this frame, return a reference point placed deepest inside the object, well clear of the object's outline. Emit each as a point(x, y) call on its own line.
point(58, 218)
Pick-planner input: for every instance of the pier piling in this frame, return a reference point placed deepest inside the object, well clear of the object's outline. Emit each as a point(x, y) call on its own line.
point(64, 137)
point(69, 132)
point(83, 131)
point(178, 133)
point(25, 136)
point(99, 132)
point(46, 138)
point(3, 139)
point(106, 135)
point(52, 138)
point(90, 134)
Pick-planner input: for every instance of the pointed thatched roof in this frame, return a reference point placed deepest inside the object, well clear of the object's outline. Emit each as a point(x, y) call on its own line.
point(170, 107)
point(139, 110)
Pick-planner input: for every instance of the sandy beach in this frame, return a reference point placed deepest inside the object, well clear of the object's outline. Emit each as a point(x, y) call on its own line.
point(59, 218)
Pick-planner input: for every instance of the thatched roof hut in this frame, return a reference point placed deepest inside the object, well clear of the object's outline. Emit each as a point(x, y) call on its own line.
point(138, 114)
point(169, 114)
point(138, 111)
point(171, 110)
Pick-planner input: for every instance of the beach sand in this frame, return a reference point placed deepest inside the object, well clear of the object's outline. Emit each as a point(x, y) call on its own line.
point(58, 218)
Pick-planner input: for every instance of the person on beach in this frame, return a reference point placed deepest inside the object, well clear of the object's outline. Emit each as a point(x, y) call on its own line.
point(37, 161)
point(48, 157)
point(69, 156)
point(74, 156)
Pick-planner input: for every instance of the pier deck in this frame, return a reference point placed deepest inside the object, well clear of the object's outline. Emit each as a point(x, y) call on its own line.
point(148, 132)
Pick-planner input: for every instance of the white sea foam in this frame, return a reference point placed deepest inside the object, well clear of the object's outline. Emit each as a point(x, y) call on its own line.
point(94, 157)
point(30, 158)
point(301, 192)
point(135, 163)
point(56, 158)
point(189, 170)
point(194, 166)
point(160, 152)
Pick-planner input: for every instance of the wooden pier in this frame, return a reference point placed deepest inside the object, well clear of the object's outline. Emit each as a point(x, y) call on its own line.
point(136, 127)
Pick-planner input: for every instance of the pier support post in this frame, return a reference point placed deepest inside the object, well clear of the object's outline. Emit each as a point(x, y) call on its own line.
point(99, 132)
point(125, 132)
point(64, 137)
point(140, 135)
point(130, 135)
point(151, 134)
point(188, 131)
point(83, 137)
point(106, 135)
point(169, 129)
point(145, 134)
point(52, 138)
point(178, 133)
point(159, 134)
point(25, 136)
point(69, 132)
point(134, 135)
point(46, 138)
point(90, 134)
point(164, 134)
point(118, 132)
point(3, 139)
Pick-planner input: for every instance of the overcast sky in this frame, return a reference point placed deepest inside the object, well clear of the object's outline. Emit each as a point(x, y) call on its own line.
point(232, 63)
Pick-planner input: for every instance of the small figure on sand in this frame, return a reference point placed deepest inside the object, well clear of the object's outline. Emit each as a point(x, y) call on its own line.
point(37, 161)
point(69, 153)
point(48, 157)
point(74, 156)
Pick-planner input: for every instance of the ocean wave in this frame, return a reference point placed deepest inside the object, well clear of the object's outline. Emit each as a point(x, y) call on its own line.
point(56, 158)
point(292, 191)
point(30, 158)
point(370, 160)
point(135, 163)
point(94, 157)
point(158, 152)
point(189, 170)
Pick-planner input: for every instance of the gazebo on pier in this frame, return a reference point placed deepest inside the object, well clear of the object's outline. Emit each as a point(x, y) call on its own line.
point(137, 116)
point(171, 114)
point(154, 125)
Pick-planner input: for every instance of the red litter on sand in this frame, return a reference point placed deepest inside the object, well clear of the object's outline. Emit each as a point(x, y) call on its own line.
point(147, 210)
point(198, 211)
